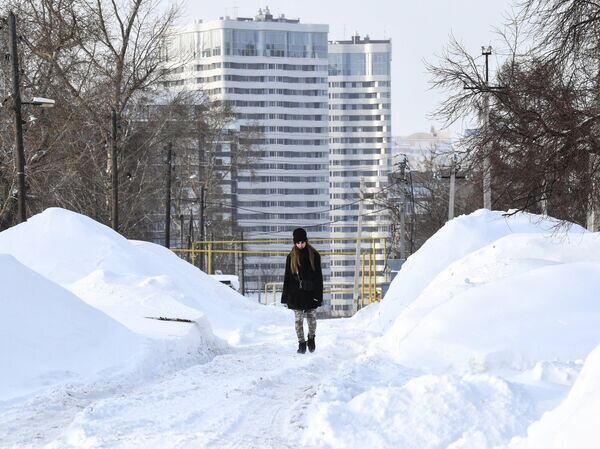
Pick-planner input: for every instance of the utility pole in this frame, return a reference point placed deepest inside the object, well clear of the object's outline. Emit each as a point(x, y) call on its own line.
point(260, 287)
point(181, 223)
point(191, 230)
point(236, 258)
point(202, 225)
point(190, 240)
point(400, 177)
point(402, 223)
point(20, 151)
point(114, 173)
point(453, 175)
point(485, 117)
point(358, 245)
point(452, 183)
point(487, 165)
point(591, 213)
point(544, 200)
point(243, 271)
point(168, 198)
point(452, 187)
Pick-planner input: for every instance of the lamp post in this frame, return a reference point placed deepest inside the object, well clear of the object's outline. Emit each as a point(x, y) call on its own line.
point(19, 153)
point(485, 119)
point(114, 173)
point(453, 174)
point(16, 94)
point(168, 197)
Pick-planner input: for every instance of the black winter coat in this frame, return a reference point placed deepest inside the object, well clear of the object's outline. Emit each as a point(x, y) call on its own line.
point(292, 295)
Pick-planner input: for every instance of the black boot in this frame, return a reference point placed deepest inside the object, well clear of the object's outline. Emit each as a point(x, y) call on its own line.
point(311, 343)
point(301, 347)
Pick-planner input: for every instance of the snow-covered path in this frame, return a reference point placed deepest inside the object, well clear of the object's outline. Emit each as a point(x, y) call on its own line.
point(487, 339)
point(256, 396)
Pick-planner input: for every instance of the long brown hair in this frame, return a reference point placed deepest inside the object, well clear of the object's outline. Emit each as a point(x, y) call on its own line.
point(295, 257)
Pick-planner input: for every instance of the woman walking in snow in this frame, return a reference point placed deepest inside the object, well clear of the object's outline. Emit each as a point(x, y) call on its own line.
point(303, 287)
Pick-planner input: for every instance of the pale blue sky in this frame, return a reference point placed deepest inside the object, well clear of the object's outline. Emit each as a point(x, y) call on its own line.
point(419, 30)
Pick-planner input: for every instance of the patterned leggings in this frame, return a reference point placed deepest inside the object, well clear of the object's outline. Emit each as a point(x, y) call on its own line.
point(311, 318)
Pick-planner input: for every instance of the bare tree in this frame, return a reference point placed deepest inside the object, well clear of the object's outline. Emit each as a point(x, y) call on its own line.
point(542, 127)
point(426, 197)
point(90, 56)
point(567, 34)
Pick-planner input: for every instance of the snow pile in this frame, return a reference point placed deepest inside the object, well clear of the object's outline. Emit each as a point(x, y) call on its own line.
point(456, 239)
point(489, 322)
point(48, 335)
point(78, 299)
point(523, 299)
point(573, 424)
point(399, 408)
point(128, 280)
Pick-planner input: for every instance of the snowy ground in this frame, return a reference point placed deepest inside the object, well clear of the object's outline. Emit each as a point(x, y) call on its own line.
point(253, 396)
point(487, 339)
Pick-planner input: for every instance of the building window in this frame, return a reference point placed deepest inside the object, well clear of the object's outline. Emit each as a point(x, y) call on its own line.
point(347, 64)
point(209, 43)
point(380, 63)
point(275, 43)
point(299, 45)
point(244, 42)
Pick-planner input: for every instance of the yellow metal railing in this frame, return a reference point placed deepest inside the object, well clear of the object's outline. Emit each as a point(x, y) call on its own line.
point(368, 292)
point(273, 288)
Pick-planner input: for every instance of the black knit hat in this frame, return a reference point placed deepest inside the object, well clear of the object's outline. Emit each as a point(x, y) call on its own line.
point(299, 235)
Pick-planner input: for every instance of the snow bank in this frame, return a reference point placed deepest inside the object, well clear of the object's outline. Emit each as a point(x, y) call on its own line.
point(65, 246)
point(522, 299)
point(480, 333)
point(48, 335)
point(128, 280)
point(573, 424)
point(375, 403)
point(456, 239)
point(78, 299)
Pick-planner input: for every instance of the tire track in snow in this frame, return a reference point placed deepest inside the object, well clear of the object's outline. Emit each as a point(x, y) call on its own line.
point(256, 396)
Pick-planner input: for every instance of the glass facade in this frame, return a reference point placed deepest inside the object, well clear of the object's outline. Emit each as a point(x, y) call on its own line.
point(299, 44)
point(307, 45)
point(347, 64)
point(209, 43)
point(359, 64)
point(380, 63)
point(275, 43)
point(238, 42)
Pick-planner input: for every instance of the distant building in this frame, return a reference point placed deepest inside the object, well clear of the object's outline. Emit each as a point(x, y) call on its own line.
point(422, 147)
point(360, 147)
point(430, 194)
point(273, 71)
point(425, 152)
point(325, 112)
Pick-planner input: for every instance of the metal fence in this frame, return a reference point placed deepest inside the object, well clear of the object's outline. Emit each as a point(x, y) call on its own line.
point(230, 256)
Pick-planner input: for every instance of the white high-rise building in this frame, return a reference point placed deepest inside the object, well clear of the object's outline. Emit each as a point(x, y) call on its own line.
point(273, 71)
point(360, 147)
point(424, 148)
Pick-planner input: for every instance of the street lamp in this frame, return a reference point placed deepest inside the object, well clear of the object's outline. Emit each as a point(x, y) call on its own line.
point(36, 101)
point(42, 102)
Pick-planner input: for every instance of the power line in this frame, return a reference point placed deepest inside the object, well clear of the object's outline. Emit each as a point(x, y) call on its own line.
point(381, 190)
point(306, 226)
point(315, 225)
point(230, 205)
